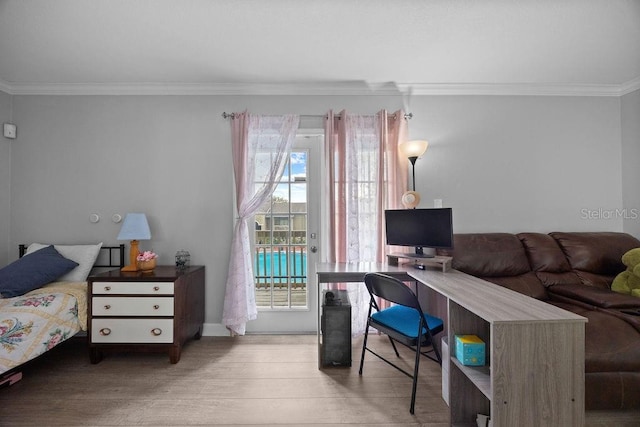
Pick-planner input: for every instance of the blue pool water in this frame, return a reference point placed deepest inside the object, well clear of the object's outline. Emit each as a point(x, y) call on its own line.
point(294, 266)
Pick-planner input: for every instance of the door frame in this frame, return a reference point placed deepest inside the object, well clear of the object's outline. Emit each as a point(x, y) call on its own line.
point(301, 320)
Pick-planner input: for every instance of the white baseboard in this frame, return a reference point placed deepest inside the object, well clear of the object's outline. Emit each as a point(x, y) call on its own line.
point(215, 330)
point(219, 330)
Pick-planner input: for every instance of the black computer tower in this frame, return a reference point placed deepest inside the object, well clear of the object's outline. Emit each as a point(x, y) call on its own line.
point(335, 325)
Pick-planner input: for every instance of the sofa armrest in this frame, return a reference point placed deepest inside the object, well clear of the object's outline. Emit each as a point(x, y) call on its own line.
point(598, 297)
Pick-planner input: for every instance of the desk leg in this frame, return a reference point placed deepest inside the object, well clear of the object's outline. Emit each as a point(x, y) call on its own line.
point(318, 326)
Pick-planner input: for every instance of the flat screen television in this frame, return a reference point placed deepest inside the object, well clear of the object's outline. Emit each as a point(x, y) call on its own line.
point(420, 228)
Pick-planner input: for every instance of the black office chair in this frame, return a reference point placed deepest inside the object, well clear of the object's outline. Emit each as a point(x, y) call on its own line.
point(401, 323)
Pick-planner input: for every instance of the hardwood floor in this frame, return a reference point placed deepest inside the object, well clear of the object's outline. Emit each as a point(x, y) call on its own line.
point(251, 380)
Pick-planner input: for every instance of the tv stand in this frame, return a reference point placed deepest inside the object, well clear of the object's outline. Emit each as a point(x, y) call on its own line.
point(421, 256)
point(444, 262)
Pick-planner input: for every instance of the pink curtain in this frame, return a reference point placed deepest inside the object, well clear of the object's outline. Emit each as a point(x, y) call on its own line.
point(366, 175)
point(261, 147)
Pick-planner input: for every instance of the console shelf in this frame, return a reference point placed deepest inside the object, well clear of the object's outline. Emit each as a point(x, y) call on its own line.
point(443, 262)
point(534, 352)
point(480, 376)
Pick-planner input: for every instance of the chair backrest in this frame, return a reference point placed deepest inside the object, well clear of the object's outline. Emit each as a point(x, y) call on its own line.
point(391, 289)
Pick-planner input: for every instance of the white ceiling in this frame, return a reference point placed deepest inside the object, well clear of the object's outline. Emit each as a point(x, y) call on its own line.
point(284, 46)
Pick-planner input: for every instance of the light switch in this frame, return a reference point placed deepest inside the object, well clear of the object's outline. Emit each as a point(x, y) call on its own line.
point(10, 130)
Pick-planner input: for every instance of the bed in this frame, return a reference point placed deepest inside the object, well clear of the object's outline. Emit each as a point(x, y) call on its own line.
point(35, 321)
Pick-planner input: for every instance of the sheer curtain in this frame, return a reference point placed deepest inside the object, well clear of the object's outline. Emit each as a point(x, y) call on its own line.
point(261, 147)
point(364, 176)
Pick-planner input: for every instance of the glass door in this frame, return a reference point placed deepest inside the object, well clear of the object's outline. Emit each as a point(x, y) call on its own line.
point(285, 245)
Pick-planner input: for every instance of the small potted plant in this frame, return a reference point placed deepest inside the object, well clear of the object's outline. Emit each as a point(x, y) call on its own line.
point(147, 261)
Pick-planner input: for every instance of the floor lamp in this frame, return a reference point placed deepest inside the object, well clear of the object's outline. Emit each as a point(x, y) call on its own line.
point(412, 150)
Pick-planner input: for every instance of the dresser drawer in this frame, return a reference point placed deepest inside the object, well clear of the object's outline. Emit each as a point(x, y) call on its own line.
point(129, 288)
point(132, 306)
point(131, 331)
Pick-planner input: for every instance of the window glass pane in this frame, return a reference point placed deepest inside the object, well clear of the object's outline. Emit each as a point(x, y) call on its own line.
point(281, 239)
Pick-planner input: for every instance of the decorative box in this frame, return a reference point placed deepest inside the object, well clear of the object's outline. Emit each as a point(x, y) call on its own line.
point(470, 350)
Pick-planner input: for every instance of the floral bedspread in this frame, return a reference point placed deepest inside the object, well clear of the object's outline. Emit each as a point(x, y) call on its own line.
point(36, 322)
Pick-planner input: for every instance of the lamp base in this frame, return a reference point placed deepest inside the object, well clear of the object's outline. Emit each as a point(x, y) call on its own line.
point(410, 199)
point(133, 255)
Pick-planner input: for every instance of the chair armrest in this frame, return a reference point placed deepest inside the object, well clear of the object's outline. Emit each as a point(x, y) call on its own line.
point(598, 297)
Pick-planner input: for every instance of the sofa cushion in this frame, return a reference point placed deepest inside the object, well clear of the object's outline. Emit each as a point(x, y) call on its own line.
point(527, 284)
point(611, 344)
point(599, 253)
point(596, 257)
point(489, 255)
point(547, 259)
point(597, 297)
point(544, 253)
point(597, 280)
point(611, 390)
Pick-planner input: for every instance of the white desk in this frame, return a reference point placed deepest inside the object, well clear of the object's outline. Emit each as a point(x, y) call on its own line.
point(535, 351)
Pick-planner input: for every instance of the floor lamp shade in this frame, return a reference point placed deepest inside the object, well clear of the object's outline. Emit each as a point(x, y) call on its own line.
point(134, 227)
point(415, 148)
point(412, 150)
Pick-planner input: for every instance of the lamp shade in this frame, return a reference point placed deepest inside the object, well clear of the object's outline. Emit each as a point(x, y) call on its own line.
point(135, 227)
point(415, 148)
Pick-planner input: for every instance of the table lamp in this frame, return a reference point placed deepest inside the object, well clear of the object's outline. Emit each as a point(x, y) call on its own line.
point(134, 227)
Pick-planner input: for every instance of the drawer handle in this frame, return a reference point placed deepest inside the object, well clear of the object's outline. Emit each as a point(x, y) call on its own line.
point(107, 288)
point(156, 288)
point(105, 331)
point(156, 331)
point(107, 307)
point(155, 307)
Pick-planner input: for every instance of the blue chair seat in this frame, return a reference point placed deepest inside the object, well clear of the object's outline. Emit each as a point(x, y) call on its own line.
point(405, 320)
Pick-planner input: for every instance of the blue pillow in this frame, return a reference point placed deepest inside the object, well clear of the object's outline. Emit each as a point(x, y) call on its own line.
point(33, 271)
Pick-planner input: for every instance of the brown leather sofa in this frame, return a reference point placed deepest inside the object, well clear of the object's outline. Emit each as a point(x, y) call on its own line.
point(573, 271)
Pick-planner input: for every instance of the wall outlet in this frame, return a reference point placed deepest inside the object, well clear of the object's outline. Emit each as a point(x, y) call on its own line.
point(437, 203)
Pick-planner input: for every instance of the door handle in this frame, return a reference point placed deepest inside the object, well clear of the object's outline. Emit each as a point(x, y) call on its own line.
point(313, 249)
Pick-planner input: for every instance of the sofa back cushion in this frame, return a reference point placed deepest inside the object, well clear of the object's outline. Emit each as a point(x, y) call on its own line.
point(595, 256)
point(496, 257)
point(489, 254)
point(527, 284)
point(547, 259)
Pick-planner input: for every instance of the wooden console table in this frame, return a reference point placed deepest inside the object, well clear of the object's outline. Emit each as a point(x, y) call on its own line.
point(535, 351)
point(535, 355)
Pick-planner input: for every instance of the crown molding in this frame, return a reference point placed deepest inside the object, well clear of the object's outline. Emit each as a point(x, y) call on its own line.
point(630, 86)
point(331, 88)
point(520, 89)
point(5, 87)
point(340, 88)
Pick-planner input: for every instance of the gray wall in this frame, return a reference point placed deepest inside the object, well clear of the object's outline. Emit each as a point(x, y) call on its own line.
point(503, 163)
point(631, 161)
point(535, 163)
point(5, 179)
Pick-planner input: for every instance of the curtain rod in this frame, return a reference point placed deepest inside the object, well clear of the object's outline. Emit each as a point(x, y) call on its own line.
point(226, 115)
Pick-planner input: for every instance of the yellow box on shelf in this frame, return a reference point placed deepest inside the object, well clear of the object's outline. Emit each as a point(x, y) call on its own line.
point(470, 350)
